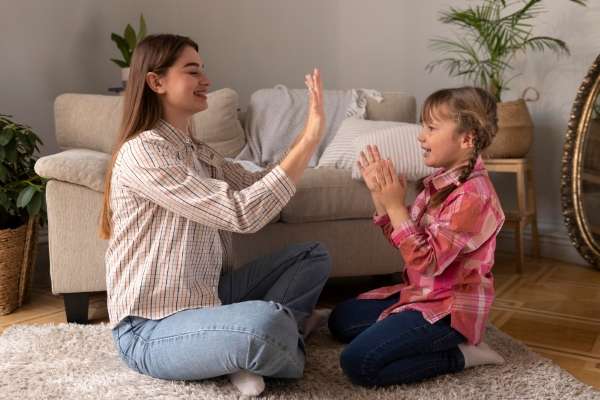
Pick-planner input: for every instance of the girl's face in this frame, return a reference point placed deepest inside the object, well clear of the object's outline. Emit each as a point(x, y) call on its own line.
point(443, 146)
point(183, 88)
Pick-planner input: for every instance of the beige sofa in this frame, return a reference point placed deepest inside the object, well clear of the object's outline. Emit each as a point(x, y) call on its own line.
point(329, 206)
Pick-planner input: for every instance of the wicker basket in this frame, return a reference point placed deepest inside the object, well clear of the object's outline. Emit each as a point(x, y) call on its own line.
point(515, 131)
point(17, 254)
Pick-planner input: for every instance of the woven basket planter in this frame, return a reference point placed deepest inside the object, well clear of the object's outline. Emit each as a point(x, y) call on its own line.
point(17, 255)
point(515, 131)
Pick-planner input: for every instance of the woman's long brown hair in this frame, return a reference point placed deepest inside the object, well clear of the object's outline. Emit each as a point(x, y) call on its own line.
point(474, 110)
point(141, 105)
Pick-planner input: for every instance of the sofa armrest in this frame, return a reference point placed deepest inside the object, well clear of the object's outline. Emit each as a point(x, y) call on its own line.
point(79, 166)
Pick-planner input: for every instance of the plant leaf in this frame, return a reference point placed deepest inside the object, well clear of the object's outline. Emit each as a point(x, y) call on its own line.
point(142, 31)
point(11, 151)
point(539, 43)
point(25, 196)
point(130, 37)
point(123, 46)
point(4, 201)
point(35, 204)
point(6, 136)
point(3, 173)
point(120, 63)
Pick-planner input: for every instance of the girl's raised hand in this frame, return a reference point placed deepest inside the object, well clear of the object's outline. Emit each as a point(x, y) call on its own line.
point(315, 120)
point(368, 162)
point(393, 186)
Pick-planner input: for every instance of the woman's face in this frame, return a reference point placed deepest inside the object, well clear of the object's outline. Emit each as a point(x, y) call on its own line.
point(184, 86)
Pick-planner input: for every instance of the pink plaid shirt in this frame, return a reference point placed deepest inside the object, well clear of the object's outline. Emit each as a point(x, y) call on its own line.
point(448, 252)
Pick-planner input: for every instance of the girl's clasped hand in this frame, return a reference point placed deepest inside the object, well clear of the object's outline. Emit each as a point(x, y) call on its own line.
point(381, 178)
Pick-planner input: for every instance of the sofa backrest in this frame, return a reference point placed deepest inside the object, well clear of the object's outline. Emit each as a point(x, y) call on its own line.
point(92, 121)
point(87, 121)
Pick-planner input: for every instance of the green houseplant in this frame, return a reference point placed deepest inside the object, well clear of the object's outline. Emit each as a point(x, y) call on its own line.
point(492, 34)
point(22, 206)
point(126, 44)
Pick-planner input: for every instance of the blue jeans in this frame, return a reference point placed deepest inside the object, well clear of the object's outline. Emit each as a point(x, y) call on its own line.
point(258, 327)
point(401, 348)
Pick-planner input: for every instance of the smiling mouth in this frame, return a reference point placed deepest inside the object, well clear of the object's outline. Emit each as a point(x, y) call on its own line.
point(200, 93)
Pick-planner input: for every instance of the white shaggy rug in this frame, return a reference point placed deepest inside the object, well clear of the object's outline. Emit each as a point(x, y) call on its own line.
point(80, 362)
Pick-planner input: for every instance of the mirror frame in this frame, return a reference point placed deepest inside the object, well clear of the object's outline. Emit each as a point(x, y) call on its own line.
point(571, 199)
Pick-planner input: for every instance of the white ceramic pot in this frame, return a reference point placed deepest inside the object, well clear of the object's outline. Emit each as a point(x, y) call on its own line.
point(124, 75)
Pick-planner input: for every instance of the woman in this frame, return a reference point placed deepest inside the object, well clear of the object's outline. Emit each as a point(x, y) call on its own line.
point(177, 308)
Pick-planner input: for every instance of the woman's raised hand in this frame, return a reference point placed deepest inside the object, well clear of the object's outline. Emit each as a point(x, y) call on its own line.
point(315, 120)
point(307, 141)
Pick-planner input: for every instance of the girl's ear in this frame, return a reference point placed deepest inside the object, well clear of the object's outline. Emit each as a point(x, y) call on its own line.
point(467, 140)
point(155, 82)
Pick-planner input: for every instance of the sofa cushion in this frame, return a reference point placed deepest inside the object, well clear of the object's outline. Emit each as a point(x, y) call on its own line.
point(78, 166)
point(396, 106)
point(328, 194)
point(219, 125)
point(401, 145)
point(87, 121)
point(340, 152)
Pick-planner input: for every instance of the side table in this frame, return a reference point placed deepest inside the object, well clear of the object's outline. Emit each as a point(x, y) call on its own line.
point(526, 205)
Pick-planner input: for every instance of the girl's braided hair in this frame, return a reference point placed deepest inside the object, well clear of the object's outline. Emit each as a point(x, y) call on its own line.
point(474, 110)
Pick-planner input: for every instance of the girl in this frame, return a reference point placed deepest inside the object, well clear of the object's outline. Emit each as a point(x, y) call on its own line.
point(178, 309)
point(433, 323)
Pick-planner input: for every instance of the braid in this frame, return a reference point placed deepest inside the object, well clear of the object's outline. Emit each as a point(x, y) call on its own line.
point(440, 196)
point(472, 161)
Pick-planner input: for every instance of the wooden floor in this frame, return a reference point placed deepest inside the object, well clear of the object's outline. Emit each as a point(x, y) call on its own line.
point(553, 307)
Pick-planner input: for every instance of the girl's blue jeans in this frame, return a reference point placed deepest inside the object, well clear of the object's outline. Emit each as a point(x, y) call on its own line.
point(401, 348)
point(258, 327)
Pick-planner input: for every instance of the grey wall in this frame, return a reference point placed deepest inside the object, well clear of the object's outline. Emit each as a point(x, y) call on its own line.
point(52, 47)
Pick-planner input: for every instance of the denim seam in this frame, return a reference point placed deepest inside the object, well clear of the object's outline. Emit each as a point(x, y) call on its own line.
point(304, 256)
point(356, 326)
point(265, 339)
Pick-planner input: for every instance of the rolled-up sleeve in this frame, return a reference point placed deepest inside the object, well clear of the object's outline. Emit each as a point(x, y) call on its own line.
point(239, 177)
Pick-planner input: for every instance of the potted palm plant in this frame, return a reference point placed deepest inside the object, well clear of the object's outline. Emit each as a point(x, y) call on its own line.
point(22, 209)
point(493, 32)
point(126, 44)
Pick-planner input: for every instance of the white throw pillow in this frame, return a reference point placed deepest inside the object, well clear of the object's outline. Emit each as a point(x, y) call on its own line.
point(399, 144)
point(218, 125)
point(340, 152)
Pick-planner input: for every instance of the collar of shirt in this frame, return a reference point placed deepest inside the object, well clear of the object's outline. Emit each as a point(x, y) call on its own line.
point(173, 134)
point(443, 178)
point(203, 151)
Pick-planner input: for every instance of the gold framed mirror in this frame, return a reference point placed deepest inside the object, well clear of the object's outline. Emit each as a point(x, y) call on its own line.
point(580, 181)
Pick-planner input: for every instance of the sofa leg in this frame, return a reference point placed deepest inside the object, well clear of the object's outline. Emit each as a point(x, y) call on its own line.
point(76, 307)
